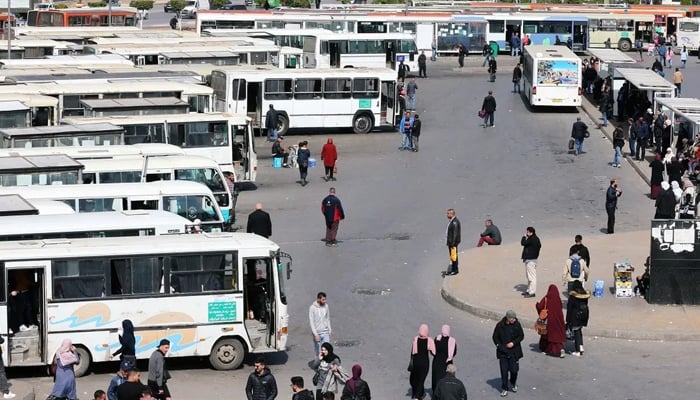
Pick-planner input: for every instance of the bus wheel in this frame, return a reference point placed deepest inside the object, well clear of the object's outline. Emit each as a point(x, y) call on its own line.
point(227, 354)
point(362, 123)
point(84, 365)
point(624, 45)
point(282, 125)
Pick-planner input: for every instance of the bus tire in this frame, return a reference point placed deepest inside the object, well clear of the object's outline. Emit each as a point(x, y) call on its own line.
point(362, 123)
point(624, 45)
point(282, 124)
point(83, 366)
point(227, 354)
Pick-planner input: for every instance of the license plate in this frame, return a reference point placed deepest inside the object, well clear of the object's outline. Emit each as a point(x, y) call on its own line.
point(557, 100)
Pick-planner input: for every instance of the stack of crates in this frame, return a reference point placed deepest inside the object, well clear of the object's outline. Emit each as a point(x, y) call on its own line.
point(622, 275)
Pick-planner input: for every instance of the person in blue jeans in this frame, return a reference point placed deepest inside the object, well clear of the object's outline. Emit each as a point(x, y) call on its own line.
point(632, 135)
point(406, 128)
point(515, 44)
point(618, 144)
point(605, 105)
point(578, 133)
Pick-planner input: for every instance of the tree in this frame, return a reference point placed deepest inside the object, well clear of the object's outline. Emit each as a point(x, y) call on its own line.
point(216, 4)
point(178, 5)
point(142, 4)
point(61, 6)
point(97, 4)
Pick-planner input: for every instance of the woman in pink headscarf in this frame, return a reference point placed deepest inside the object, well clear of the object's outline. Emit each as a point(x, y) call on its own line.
point(445, 351)
point(423, 345)
point(66, 358)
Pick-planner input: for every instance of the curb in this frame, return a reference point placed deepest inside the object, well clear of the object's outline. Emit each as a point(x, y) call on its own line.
point(527, 323)
point(589, 109)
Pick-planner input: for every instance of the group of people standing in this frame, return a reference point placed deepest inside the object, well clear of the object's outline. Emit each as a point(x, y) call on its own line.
point(443, 348)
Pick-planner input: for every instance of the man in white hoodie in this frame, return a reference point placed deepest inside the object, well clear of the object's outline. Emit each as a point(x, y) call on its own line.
point(320, 322)
point(575, 269)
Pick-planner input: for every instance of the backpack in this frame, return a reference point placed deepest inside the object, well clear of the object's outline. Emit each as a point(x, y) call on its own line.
point(575, 268)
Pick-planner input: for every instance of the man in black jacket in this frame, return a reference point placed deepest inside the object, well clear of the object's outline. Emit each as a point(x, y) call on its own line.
point(580, 249)
point(271, 123)
point(531, 251)
point(261, 384)
point(454, 233)
point(517, 75)
point(298, 388)
point(578, 133)
point(259, 222)
point(489, 107)
point(415, 132)
point(449, 387)
point(611, 196)
point(507, 337)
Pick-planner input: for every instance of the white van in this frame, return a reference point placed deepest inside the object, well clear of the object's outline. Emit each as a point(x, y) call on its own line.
point(190, 10)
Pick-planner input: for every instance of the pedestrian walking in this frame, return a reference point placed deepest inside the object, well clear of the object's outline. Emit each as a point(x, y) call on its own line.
point(324, 363)
point(517, 76)
point(488, 107)
point(578, 132)
point(298, 388)
point(415, 132)
point(678, 81)
point(507, 336)
point(684, 57)
point(632, 136)
point(332, 210)
point(552, 342)
point(433, 50)
point(4, 385)
point(449, 387)
point(259, 222)
point(531, 252)
point(577, 314)
point(271, 124)
point(405, 127)
point(127, 351)
point(486, 51)
point(423, 346)
point(132, 388)
point(66, 358)
point(303, 155)
point(158, 374)
point(445, 352)
point(454, 236)
point(642, 138)
point(411, 88)
point(329, 156)
point(490, 235)
point(261, 383)
point(173, 22)
point(618, 143)
point(515, 44)
point(579, 248)
point(422, 65)
point(461, 53)
point(639, 45)
point(356, 388)
point(118, 379)
point(403, 70)
point(605, 106)
point(657, 176)
point(320, 321)
point(493, 67)
point(611, 196)
point(665, 203)
point(575, 269)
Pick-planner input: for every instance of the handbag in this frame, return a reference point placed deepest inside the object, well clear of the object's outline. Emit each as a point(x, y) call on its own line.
point(52, 368)
point(541, 323)
point(482, 113)
point(335, 170)
point(314, 380)
point(571, 144)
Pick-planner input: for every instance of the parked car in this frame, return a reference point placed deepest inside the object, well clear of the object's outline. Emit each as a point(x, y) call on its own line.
point(168, 8)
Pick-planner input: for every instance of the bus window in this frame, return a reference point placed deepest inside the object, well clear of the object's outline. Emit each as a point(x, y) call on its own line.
point(78, 279)
point(136, 275)
point(337, 88)
point(306, 89)
point(278, 89)
point(97, 205)
point(198, 273)
point(120, 177)
point(158, 177)
point(191, 207)
point(363, 88)
point(153, 133)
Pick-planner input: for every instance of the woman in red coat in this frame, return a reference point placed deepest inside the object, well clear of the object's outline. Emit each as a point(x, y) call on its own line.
point(553, 342)
point(329, 155)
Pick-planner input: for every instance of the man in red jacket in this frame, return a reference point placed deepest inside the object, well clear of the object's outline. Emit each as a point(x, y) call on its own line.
point(329, 155)
point(333, 212)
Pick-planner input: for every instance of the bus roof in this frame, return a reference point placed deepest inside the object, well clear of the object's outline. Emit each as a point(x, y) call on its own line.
point(12, 105)
point(684, 107)
point(612, 56)
point(51, 207)
point(160, 119)
point(319, 33)
point(95, 128)
point(18, 77)
point(645, 79)
point(125, 86)
point(135, 245)
point(243, 71)
point(154, 163)
point(141, 103)
point(81, 222)
point(159, 188)
point(68, 60)
point(33, 164)
point(548, 51)
point(96, 152)
point(14, 204)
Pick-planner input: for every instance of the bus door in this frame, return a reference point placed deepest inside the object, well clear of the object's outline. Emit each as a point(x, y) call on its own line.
point(579, 36)
point(388, 105)
point(390, 50)
point(242, 152)
point(24, 328)
point(334, 53)
point(259, 303)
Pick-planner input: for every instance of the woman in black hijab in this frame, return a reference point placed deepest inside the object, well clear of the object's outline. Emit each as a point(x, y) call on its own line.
point(128, 341)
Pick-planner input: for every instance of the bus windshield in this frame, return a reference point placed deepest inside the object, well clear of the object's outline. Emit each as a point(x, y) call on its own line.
point(206, 176)
point(191, 207)
point(198, 134)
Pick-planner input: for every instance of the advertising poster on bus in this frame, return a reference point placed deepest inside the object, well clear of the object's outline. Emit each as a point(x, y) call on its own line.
point(557, 73)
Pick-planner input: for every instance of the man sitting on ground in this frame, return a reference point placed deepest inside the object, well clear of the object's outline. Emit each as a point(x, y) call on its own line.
point(491, 235)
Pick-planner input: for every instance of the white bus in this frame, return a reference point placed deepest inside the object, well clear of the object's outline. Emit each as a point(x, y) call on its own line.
point(97, 152)
point(109, 224)
point(169, 168)
point(224, 137)
point(54, 169)
point(688, 33)
point(93, 60)
point(14, 204)
point(552, 76)
point(332, 98)
point(191, 200)
point(221, 295)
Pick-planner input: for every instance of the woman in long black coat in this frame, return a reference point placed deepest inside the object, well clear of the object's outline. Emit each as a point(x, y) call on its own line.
point(657, 175)
point(423, 346)
point(445, 351)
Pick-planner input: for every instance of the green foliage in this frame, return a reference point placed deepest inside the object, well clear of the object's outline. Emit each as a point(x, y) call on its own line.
point(61, 6)
point(142, 4)
point(686, 2)
point(97, 4)
point(216, 4)
point(178, 5)
point(345, 1)
point(297, 3)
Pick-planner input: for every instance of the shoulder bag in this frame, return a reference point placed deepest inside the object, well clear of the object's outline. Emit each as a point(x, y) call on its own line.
point(541, 323)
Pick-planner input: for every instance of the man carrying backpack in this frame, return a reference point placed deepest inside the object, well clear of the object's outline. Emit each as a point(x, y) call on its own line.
point(575, 269)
